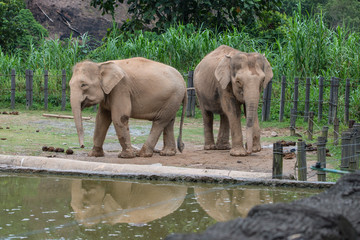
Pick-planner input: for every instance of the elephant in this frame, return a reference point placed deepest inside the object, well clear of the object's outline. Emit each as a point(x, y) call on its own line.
point(224, 80)
point(129, 88)
point(123, 202)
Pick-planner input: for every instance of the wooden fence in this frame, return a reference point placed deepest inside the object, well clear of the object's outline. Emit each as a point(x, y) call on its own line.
point(286, 95)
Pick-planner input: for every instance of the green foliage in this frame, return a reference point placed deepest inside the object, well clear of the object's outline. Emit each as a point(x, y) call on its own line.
point(18, 27)
point(219, 14)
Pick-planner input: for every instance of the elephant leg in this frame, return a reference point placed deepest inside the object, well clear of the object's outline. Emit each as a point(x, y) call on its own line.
point(121, 124)
point(155, 132)
point(233, 112)
point(169, 148)
point(208, 119)
point(222, 142)
point(256, 136)
point(102, 123)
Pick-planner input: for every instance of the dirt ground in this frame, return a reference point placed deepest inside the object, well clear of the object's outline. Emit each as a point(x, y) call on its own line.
point(31, 131)
point(194, 156)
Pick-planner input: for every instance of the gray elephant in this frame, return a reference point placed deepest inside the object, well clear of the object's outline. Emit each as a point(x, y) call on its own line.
point(129, 88)
point(224, 80)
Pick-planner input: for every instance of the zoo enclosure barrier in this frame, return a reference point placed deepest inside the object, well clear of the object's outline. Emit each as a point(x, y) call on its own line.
point(350, 154)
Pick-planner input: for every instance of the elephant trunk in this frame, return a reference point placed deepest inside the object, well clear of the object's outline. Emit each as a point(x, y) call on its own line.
point(76, 109)
point(251, 114)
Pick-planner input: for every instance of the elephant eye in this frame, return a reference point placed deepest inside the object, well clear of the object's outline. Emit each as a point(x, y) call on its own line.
point(83, 85)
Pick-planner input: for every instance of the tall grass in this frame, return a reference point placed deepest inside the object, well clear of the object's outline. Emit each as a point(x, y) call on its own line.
point(309, 49)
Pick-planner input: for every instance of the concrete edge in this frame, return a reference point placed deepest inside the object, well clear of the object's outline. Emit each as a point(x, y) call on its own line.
point(35, 164)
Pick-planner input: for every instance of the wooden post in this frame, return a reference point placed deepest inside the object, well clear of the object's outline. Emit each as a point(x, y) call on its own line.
point(324, 132)
point(321, 158)
point(296, 95)
point(353, 157)
point(277, 161)
point(301, 161)
point(27, 86)
point(351, 123)
point(282, 98)
point(46, 89)
point(336, 131)
point(13, 85)
point(331, 101)
point(292, 122)
point(190, 108)
point(63, 93)
point(345, 150)
point(31, 82)
point(321, 96)
point(268, 100)
point(356, 128)
point(347, 101)
point(307, 100)
point(310, 125)
point(264, 106)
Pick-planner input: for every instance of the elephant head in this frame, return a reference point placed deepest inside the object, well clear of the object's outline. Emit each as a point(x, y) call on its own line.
point(245, 74)
point(89, 85)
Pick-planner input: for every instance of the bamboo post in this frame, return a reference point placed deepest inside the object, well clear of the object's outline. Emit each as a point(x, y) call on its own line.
point(296, 94)
point(335, 99)
point(307, 100)
point(336, 131)
point(301, 160)
point(13, 86)
point(321, 95)
point(347, 100)
point(331, 100)
point(324, 132)
point(31, 81)
point(282, 98)
point(357, 145)
point(345, 150)
point(310, 125)
point(46, 89)
point(265, 102)
point(321, 158)
point(277, 161)
point(63, 92)
point(268, 100)
point(292, 122)
point(190, 108)
point(353, 157)
point(27, 86)
point(351, 123)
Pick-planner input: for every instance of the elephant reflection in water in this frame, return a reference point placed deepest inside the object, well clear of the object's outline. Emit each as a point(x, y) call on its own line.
point(227, 204)
point(123, 202)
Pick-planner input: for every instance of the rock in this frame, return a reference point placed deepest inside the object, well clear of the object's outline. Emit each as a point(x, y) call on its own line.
point(59, 150)
point(51, 149)
point(45, 148)
point(332, 214)
point(274, 134)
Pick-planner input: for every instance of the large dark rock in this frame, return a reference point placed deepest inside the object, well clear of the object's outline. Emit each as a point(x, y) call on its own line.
point(333, 214)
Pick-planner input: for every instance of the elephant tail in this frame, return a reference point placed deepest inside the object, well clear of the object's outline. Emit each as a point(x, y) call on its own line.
point(180, 143)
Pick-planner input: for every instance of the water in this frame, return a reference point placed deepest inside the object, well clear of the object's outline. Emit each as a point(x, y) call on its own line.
point(49, 207)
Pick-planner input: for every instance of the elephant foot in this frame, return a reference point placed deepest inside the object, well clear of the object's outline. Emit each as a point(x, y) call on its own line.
point(96, 152)
point(168, 152)
point(209, 147)
point(256, 148)
point(146, 151)
point(223, 146)
point(127, 154)
point(239, 151)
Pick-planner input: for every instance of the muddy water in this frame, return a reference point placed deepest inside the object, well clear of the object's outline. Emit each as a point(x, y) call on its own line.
point(48, 207)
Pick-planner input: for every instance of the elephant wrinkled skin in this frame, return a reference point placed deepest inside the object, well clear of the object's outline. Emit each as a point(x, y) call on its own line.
point(224, 80)
point(130, 88)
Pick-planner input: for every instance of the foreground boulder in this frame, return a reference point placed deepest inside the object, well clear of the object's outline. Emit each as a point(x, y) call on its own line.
point(333, 214)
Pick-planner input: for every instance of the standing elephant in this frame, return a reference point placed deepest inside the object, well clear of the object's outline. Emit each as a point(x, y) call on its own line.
point(224, 80)
point(130, 88)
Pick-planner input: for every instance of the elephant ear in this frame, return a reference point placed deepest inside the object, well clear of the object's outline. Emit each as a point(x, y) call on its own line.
point(111, 75)
point(222, 72)
point(268, 72)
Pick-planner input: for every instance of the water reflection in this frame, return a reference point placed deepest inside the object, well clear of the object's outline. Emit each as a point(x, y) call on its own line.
point(123, 202)
point(226, 204)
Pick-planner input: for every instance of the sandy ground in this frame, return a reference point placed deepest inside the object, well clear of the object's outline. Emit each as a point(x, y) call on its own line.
point(194, 156)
